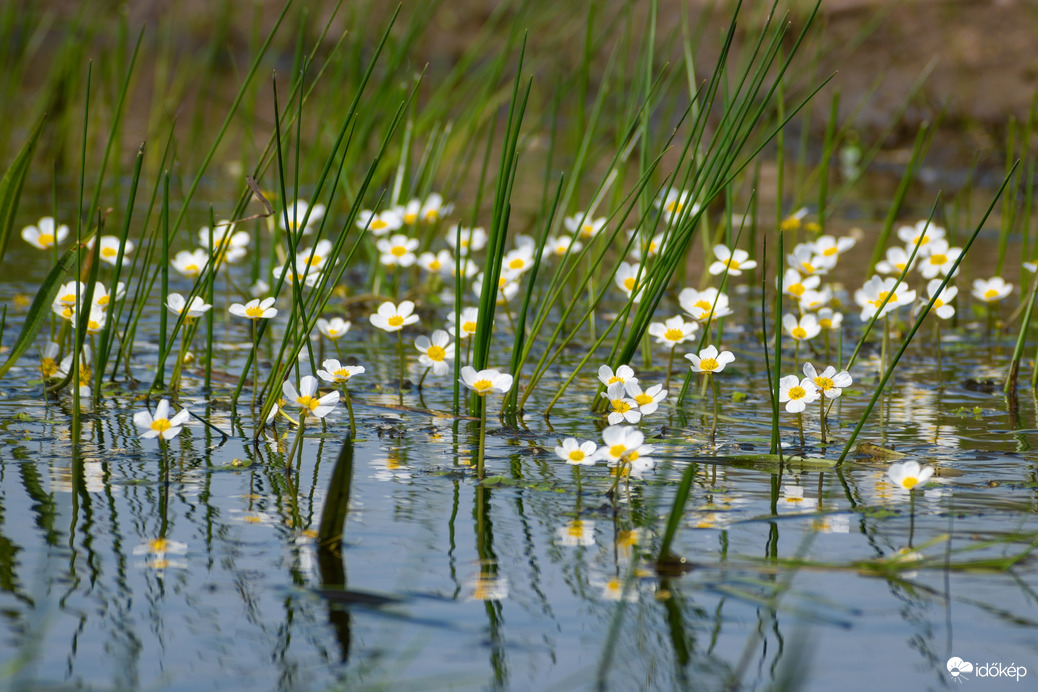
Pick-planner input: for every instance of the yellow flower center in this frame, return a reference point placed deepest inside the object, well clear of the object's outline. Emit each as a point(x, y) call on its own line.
point(377, 224)
point(315, 259)
point(633, 456)
point(432, 215)
point(46, 239)
point(797, 392)
point(703, 305)
point(799, 332)
point(48, 367)
point(191, 269)
point(825, 323)
point(517, 263)
point(883, 296)
point(673, 334)
point(93, 325)
point(254, 312)
point(160, 425)
point(398, 251)
point(614, 378)
point(395, 321)
point(938, 259)
point(68, 299)
point(824, 383)
point(990, 294)
point(675, 207)
point(790, 224)
point(501, 283)
point(158, 545)
point(254, 519)
point(830, 251)
point(576, 455)
point(643, 399)
point(469, 327)
point(731, 264)
point(436, 353)
point(617, 451)
point(109, 252)
point(909, 482)
point(342, 373)
point(576, 529)
point(307, 402)
point(621, 406)
point(332, 331)
point(410, 217)
point(629, 283)
point(808, 267)
point(482, 386)
point(937, 303)
point(435, 265)
point(652, 247)
point(709, 364)
point(797, 289)
point(103, 301)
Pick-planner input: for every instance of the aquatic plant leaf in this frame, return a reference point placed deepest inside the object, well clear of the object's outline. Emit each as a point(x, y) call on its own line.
point(337, 500)
point(40, 308)
point(11, 186)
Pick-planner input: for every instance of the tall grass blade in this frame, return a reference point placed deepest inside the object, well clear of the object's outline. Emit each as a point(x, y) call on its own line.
point(11, 186)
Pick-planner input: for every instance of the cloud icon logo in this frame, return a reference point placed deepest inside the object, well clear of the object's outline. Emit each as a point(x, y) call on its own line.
point(956, 666)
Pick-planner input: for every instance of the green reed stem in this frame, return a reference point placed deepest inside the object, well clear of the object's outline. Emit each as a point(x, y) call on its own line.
point(1010, 385)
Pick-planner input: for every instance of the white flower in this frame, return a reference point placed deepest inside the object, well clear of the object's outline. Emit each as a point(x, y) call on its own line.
point(649, 400)
point(588, 227)
point(897, 259)
point(804, 329)
point(813, 300)
point(647, 248)
point(397, 250)
point(160, 423)
point(305, 399)
point(876, 290)
point(485, 381)
point(942, 304)
point(435, 351)
point(259, 289)
point(176, 304)
point(334, 329)
point(392, 317)
point(255, 309)
point(829, 382)
point(109, 251)
point(673, 331)
point(828, 246)
point(517, 261)
point(623, 375)
point(315, 257)
point(909, 474)
point(102, 298)
point(939, 259)
point(433, 208)
point(469, 321)
point(673, 202)
point(190, 264)
point(380, 224)
point(704, 305)
point(735, 261)
point(471, 239)
point(805, 261)
point(630, 278)
point(829, 319)
point(507, 288)
point(796, 394)
point(796, 285)
point(439, 263)
point(336, 373)
point(579, 453)
point(299, 213)
point(624, 443)
point(921, 234)
point(559, 246)
point(709, 360)
point(44, 235)
point(991, 290)
point(624, 408)
point(232, 245)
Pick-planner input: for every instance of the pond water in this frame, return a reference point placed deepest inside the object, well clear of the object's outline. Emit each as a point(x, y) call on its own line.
point(124, 568)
